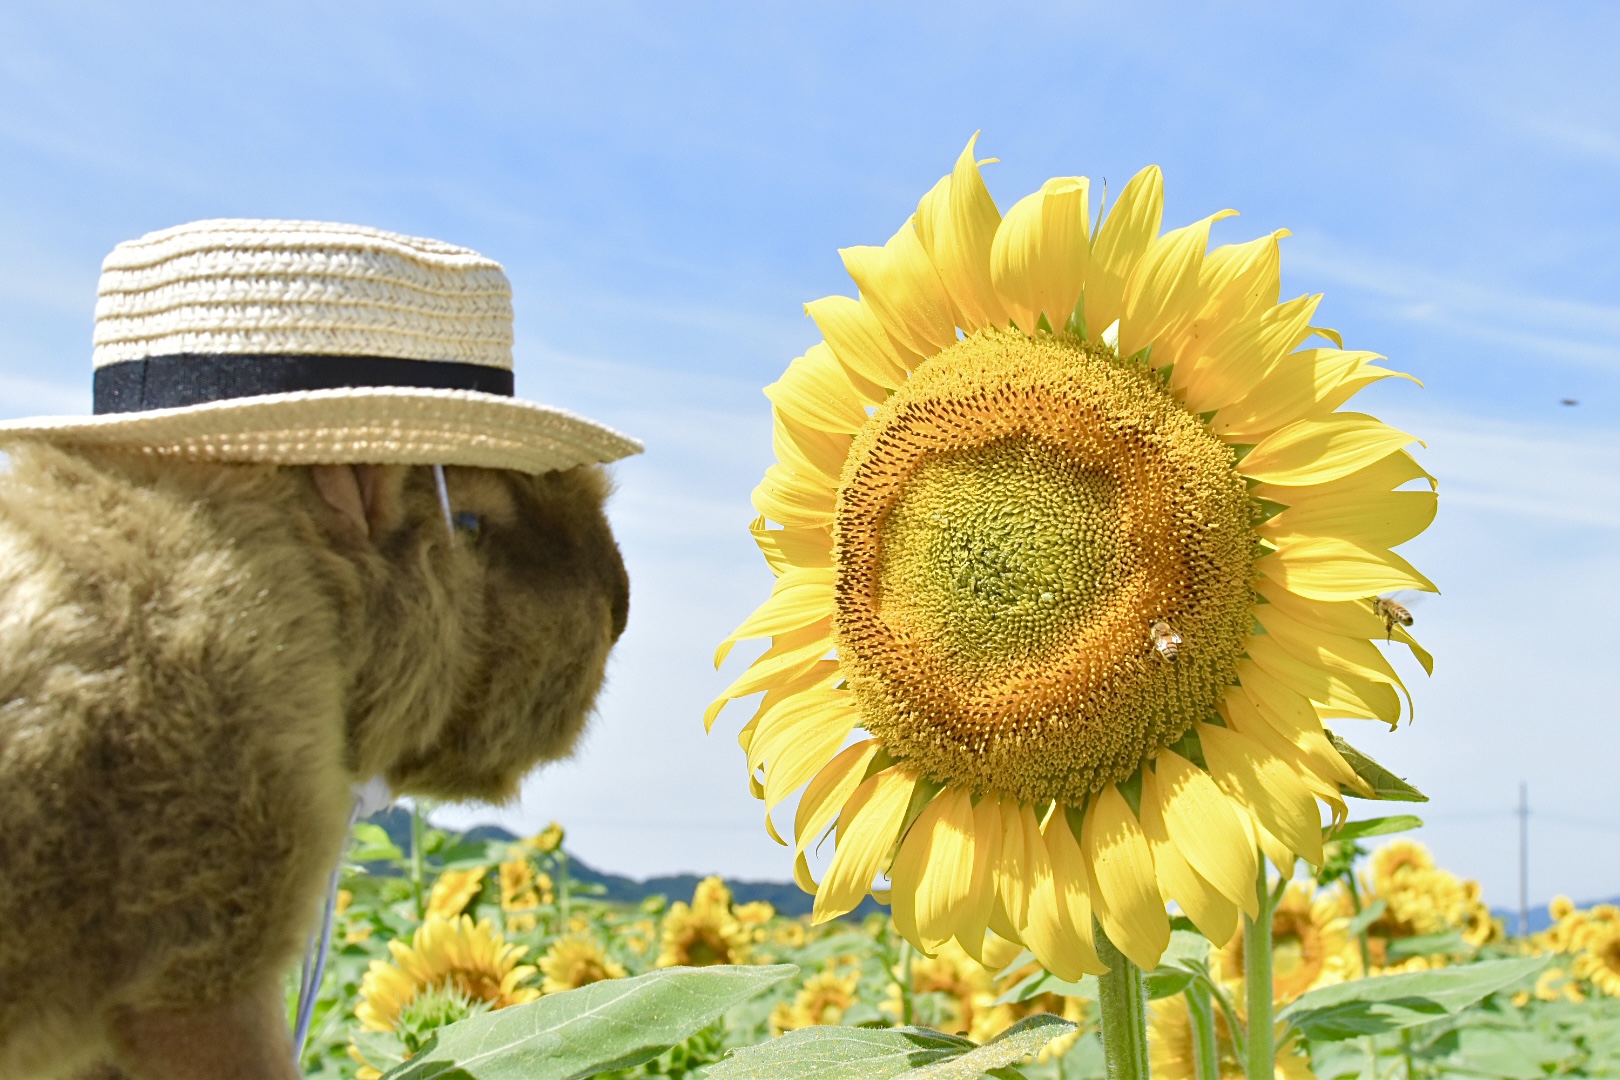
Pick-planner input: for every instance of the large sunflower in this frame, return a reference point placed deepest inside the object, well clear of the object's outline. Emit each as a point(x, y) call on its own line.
point(1072, 533)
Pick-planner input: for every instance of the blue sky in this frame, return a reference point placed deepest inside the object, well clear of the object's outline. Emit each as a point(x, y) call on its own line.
point(667, 184)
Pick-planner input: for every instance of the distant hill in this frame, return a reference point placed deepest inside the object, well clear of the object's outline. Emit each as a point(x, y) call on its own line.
point(785, 896)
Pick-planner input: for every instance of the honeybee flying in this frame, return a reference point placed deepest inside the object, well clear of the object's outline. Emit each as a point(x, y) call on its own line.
point(1391, 612)
point(1165, 639)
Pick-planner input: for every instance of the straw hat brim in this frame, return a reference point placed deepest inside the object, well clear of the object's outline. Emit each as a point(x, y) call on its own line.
point(361, 425)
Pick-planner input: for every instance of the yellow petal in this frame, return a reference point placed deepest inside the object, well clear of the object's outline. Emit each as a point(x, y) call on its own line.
point(798, 737)
point(1127, 901)
point(1163, 289)
point(1213, 914)
point(811, 454)
point(790, 656)
point(1072, 882)
point(858, 339)
point(789, 549)
point(1239, 357)
point(1257, 778)
point(868, 826)
point(1241, 715)
point(821, 673)
point(1011, 873)
point(943, 845)
point(830, 790)
point(1206, 830)
point(1374, 519)
point(1276, 851)
point(1326, 568)
point(793, 500)
point(957, 223)
point(1039, 257)
point(979, 905)
point(1048, 931)
point(799, 598)
point(1385, 474)
point(1121, 242)
point(1242, 280)
point(1290, 717)
point(1349, 618)
point(1317, 451)
point(1343, 694)
point(1306, 384)
point(816, 390)
point(903, 289)
point(1335, 652)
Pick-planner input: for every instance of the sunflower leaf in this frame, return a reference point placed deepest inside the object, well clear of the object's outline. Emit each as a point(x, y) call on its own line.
point(1378, 826)
point(1384, 784)
point(1044, 982)
point(1366, 917)
point(615, 1024)
point(1391, 1002)
point(842, 1053)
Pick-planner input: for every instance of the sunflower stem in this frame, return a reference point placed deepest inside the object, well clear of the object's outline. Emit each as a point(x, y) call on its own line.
point(1201, 1014)
point(904, 967)
point(1122, 1012)
point(1261, 1056)
point(416, 859)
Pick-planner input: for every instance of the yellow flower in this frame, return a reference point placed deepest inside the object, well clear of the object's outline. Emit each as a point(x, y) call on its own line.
point(1093, 571)
point(546, 840)
point(968, 992)
point(1171, 1054)
point(1311, 946)
point(1599, 961)
point(1420, 899)
point(453, 891)
point(824, 999)
point(704, 932)
point(755, 914)
point(444, 954)
point(576, 960)
point(790, 933)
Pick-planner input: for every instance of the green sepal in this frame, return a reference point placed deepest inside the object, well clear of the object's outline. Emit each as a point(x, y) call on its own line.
point(1385, 784)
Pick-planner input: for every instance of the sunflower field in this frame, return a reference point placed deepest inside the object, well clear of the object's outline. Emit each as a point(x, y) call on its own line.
point(482, 958)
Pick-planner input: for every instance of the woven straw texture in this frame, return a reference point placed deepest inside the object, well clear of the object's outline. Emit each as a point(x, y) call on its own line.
point(245, 287)
point(242, 286)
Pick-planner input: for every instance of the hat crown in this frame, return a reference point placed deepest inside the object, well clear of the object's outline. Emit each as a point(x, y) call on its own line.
point(243, 286)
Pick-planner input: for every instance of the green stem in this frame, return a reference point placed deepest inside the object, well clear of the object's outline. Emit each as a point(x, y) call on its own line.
point(904, 966)
point(1261, 1056)
point(562, 889)
point(1361, 936)
point(1122, 1012)
point(1201, 1014)
point(416, 859)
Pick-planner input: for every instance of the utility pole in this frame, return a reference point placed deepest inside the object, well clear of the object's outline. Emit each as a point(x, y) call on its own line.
point(1524, 859)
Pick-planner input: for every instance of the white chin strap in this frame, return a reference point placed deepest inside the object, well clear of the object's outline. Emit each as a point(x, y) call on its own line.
point(369, 798)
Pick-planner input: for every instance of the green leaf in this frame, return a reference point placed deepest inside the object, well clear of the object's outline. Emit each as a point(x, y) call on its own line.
point(1044, 982)
point(1378, 826)
point(1163, 982)
point(371, 844)
point(841, 1053)
point(1391, 1002)
point(615, 1024)
point(1450, 943)
point(1366, 917)
point(1384, 784)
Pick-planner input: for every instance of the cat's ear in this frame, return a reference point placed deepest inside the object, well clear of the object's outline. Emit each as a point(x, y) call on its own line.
point(371, 497)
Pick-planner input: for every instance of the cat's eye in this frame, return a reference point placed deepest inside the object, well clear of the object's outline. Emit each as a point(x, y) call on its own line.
point(468, 523)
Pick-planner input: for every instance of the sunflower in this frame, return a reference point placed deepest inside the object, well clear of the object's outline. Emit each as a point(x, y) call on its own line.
point(1311, 945)
point(965, 993)
point(444, 955)
point(824, 999)
point(1420, 899)
point(704, 932)
point(454, 890)
point(1599, 962)
point(546, 840)
point(1073, 535)
point(576, 960)
point(1171, 1054)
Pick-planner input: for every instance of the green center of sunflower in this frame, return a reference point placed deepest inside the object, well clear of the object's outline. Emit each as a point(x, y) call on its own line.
point(1013, 528)
point(992, 553)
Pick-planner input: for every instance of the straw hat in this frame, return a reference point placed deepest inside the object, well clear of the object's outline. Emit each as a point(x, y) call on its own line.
point(305, 342)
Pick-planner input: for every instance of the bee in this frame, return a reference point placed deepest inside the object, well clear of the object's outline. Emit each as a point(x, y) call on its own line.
point(1165, 639)
point(1392, 613)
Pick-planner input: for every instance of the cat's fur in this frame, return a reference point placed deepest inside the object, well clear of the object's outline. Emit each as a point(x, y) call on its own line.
point(197, 662)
